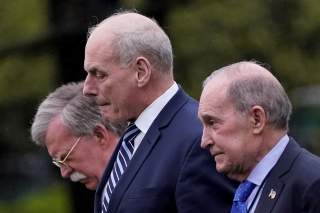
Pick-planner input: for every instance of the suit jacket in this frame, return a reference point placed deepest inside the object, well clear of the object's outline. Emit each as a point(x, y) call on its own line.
point(293, 185)
point(169, 171)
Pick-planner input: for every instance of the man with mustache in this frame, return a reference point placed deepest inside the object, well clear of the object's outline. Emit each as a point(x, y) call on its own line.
point(77, 138)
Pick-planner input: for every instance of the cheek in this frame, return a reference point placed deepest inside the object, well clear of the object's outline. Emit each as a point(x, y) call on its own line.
point(229, 138)
point(84, 160)
point(221, 140)
point(85, 168)
point(229, 147)
point(238, 154)
point(104, 89)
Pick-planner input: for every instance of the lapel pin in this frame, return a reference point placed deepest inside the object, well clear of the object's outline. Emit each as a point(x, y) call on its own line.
point(272, 194)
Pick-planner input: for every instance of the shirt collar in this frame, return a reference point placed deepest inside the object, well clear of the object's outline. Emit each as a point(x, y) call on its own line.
point(150, 113)
point(262, 169)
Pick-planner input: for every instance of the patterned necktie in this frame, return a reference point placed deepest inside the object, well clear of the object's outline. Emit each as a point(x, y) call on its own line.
point(123, 158)
point(240, 197)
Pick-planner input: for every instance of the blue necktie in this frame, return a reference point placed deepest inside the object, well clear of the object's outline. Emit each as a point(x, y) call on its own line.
point(123, 158)
point(242, 193)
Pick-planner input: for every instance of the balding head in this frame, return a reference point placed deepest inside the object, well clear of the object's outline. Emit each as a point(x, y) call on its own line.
point(128, 22)
point(131, 35)
point(244, 111)
point(128, 59)
point(241, 70)
point(248, 84)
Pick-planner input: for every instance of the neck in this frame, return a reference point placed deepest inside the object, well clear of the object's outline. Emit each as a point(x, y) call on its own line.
point(153, 91)
point(266, 142)
point(269, 139)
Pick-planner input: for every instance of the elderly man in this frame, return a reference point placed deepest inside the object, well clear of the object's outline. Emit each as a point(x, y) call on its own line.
point(158, 166)
point(245, 113)
point(80, 143)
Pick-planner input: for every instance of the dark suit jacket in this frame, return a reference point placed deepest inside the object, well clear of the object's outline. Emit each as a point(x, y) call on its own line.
point(169, 171)
point(293, 185)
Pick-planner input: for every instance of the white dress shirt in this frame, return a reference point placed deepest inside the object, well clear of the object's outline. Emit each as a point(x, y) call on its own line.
point(150, 113)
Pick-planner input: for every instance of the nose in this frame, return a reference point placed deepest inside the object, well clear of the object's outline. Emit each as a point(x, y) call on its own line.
point(65, 171)
point(89, 88)
point(206, 142)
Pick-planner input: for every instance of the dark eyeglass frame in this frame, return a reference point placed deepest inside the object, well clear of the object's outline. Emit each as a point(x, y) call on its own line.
point(60, 163)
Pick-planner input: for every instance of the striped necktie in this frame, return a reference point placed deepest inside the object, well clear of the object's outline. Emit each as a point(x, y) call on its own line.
point(124, 156)
point(242, 193)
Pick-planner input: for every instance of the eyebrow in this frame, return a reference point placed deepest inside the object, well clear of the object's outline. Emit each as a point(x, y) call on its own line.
point(92, 70)
point(206, 117)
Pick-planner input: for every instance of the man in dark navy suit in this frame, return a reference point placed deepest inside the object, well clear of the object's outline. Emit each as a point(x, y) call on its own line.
point(161, 168)
point(245, 112)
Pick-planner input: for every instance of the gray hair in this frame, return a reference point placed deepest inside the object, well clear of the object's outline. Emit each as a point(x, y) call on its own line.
point(145, 38)
point(78, 112)
point(251, 84)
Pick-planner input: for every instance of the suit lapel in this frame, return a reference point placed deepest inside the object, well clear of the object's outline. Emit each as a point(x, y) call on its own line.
point(139, 157)
point(275, 182)
point(146, 147)
point(270, 194)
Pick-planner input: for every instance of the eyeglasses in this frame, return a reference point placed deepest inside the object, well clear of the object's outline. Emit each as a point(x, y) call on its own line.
point(60, 163)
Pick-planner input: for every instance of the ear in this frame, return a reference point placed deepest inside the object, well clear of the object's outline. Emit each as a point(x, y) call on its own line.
point(257, 119)
point(143, 71)
point(102, 136)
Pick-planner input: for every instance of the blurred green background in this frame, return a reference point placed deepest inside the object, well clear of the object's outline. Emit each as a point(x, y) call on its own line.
point(42, 46)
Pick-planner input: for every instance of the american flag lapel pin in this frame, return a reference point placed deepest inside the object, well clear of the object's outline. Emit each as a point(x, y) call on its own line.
point(272, 194)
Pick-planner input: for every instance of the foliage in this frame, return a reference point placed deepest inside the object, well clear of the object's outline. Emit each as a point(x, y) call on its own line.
point(50, 200)
point(22, 20)
point(206, 35)
point(22, 77)
point(210, 34)
point(137, 4)
point(24, 74)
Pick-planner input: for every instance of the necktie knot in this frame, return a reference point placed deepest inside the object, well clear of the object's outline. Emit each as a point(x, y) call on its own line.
point(129, 135)
point(130, 132)
point(243, 191)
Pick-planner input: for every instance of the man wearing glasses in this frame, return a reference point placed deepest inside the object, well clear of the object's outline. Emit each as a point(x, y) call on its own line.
point(79, 141)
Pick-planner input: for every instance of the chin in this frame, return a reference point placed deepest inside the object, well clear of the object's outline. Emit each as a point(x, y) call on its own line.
point(221, 168)
point(91, 186)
